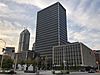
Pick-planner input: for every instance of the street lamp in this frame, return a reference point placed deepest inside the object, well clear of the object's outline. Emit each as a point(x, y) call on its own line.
point(3, 51)
point(15, 61)
point(37, 73)
point(64, 64)
point(97, 64)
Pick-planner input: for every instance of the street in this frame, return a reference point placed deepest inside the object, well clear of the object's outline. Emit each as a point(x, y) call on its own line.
point(50, 73)
point(84, 73)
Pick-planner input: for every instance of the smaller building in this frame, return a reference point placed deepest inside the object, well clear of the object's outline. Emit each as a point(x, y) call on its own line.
point(25, 55)
point(73, 54)
point(97, 56)
point(10, 51)
point(24, 40)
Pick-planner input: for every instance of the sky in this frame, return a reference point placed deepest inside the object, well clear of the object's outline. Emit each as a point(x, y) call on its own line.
point(83, 20)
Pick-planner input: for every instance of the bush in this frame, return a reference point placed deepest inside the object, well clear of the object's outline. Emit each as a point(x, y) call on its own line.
point(7, 64)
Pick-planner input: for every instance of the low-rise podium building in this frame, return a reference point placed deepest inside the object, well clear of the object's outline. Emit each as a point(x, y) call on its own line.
point(73, 54)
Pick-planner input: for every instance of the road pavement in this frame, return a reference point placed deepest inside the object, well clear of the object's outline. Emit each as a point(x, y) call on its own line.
point(50, 73)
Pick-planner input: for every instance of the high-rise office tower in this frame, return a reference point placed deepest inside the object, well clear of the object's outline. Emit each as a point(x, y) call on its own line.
point(24, 40)
point(51, 29)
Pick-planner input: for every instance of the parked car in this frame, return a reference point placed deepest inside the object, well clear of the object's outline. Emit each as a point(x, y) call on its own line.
point(91, 71)
point(60, 72)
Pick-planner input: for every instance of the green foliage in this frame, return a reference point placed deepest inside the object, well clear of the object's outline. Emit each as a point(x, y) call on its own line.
point(7, 63)
point(76, 68)
point(22, 62)
point(34, 63)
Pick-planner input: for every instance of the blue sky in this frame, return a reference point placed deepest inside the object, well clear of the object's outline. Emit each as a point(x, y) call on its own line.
point(83, 20)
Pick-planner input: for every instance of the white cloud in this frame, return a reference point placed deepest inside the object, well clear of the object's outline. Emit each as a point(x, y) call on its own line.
point(17, 14)
point(3, 8)
point(3, 5)
point(85, 22)
point(9, 33)
point(91, 39)
point(38, 3)
point(13, 18)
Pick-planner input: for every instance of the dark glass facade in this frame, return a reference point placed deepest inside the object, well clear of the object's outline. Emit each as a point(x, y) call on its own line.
point(51, 29)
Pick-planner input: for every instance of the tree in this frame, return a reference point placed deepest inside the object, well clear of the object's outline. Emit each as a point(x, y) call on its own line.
point(7, 63)
point(34, 63)
point(22, 62)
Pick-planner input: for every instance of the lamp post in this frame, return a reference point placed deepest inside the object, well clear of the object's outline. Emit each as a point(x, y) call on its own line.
point(3, 51)
point(27, 60)
point(16, 59)
point(37, 73)
point(97, 64)
point(64, 64)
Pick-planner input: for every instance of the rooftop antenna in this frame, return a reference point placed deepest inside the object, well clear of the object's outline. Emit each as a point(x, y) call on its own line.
point(25, 27)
